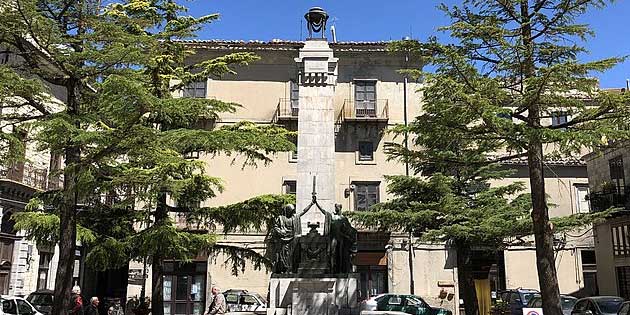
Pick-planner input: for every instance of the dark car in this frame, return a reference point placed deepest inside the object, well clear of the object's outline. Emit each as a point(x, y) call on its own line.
point(512, 302)
point(598, 305)
point(400, 304)
point(567, 302)
point(238, 300)
point(42, 300)
point(625, 309)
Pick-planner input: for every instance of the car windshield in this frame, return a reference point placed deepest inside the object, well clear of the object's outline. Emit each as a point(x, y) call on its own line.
point(609, 305)
point(40, 299)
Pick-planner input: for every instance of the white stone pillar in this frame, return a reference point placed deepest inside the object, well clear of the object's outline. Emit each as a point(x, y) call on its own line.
point(316, 130)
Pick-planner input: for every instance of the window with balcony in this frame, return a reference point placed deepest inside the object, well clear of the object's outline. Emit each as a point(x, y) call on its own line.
point(366, 194)
point(366, 151)
point(365, 98)
point(195, 89)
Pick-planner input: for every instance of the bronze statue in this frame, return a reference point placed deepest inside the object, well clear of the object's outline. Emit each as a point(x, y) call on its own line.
point(291, 252)
point(343, 241)
point(283, 236)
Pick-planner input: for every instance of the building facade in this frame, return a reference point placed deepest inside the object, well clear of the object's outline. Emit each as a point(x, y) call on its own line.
point(369, 99)
point(609, 175)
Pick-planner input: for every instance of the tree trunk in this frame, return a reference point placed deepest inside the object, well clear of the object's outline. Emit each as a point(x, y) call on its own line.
point(157, 299)
point(543, 233)
point(466, 280)
point(68, 216)
point(157, 263)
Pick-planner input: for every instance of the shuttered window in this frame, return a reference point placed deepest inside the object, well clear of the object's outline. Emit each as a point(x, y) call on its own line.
point(365, 98)
point(366, 194)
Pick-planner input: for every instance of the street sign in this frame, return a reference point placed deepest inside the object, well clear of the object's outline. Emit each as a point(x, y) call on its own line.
point(532, 311)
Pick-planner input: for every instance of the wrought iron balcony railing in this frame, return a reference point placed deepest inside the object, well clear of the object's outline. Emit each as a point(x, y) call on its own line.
point(375, 111)
point(287, 109)
point(26, 174)
point(617, 198)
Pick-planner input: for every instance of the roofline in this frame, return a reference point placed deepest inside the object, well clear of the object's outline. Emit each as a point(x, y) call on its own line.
point(286, 45)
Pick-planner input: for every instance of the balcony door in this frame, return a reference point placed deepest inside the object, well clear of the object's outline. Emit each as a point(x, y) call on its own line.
point(365, 98)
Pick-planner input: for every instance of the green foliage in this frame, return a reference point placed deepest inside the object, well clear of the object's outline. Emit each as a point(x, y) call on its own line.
point(43, 228)
point(255, 214)
point(490, 97)
point(118, 64)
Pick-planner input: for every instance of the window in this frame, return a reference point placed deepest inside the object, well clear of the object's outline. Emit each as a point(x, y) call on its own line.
point(366, 194)
point(365, 98)
point(559, 118)
point(290, 187)
point(581, 199)
point(617, 175)
point(366, 151)
point(195, 89)
point(44, 267)
point(295, 98)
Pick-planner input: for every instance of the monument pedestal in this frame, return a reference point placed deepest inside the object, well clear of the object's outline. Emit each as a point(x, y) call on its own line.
point(320, 295)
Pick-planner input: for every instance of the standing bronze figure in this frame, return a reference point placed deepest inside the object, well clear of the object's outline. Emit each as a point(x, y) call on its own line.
point(282, 239)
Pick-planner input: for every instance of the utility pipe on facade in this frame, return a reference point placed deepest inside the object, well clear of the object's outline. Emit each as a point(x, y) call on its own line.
point(405, 79)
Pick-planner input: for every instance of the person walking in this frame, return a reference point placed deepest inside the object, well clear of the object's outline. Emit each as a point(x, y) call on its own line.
point(218, 306)
point(77, 301)
point(92, 309)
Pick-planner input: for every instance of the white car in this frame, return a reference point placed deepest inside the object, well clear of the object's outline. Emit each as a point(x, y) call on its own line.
point(13, 305)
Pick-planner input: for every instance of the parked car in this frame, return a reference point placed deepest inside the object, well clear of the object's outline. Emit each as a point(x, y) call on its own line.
point(244, 301)
point(567, 302)
point(625, 308)
point(399, 304)
point(42, 300)
point(598, 305)
point(13, 305)
point(512, 302)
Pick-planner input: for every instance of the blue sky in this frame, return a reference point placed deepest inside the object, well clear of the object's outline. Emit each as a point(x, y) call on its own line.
point(372, 20)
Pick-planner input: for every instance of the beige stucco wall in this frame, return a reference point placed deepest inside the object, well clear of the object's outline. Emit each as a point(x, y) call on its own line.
point(520, 269)
point(434, 270)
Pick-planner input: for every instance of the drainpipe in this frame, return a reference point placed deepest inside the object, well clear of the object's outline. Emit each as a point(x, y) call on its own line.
point(411, 252)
